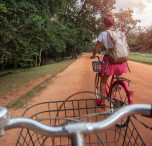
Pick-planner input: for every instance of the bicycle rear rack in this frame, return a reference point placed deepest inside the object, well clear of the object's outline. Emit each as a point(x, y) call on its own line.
point(122, 79)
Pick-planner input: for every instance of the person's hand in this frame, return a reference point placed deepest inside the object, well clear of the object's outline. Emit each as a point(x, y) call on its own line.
point(92, 57)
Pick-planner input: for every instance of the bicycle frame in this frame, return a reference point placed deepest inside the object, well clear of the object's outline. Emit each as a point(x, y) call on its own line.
point(109, 88)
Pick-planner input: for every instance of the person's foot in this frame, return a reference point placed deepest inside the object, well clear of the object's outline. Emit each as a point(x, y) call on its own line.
point(102, 105)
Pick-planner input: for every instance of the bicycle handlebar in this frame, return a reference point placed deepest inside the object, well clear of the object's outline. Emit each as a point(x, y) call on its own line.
point(96, 57)
point(85, 127)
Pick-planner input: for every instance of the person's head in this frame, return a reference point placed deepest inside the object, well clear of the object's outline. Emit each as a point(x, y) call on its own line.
point(108, 20)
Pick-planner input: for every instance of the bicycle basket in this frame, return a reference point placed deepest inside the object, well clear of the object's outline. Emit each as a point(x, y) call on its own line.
point(96, 65)
point(70, 111)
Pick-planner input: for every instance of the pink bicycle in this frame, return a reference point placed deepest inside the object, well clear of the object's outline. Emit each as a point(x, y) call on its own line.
point(118, 88)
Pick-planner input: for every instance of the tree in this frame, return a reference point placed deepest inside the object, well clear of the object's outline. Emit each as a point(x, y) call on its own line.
point(86, 19)
point(33, 32)
point(125, 21)
point(25, 30)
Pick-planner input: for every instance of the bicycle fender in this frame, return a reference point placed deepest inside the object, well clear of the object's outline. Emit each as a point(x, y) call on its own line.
point(128, 92)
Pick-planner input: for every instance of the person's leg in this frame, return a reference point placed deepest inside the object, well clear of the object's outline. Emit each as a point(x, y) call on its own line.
point(103, 82)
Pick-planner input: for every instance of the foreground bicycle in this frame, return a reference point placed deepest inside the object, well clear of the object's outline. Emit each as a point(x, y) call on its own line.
point(76, 122)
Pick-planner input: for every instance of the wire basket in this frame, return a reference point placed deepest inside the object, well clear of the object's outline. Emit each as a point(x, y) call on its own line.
point(96, 65)
point(75, 110)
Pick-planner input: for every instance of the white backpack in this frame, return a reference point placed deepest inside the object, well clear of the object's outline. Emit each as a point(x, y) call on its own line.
point(118, 50)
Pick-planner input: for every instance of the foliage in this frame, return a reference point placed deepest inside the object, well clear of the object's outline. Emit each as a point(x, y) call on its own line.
point(33, 32)
point(125, 21)
point(25, 31)
point(141, 41)
point(138, 39)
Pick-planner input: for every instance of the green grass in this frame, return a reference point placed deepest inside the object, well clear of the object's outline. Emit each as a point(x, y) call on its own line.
point(20, 102)
point(144, 58)
point(20, 77)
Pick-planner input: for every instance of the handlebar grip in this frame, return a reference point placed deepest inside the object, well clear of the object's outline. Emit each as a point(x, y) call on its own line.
point(4, 119)
point(149, 116)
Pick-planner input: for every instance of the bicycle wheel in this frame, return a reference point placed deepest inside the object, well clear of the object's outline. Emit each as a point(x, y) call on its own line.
point(119, 92)
point(97, 85)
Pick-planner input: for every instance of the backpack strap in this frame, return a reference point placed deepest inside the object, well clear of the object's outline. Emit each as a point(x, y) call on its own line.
point(105, 49)
point(128, 66)
point(111, 41)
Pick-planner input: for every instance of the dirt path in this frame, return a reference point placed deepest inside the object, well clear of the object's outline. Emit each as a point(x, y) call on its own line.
point(80, 77)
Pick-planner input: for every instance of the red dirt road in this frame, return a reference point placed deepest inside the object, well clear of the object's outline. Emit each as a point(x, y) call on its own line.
point(80, 77)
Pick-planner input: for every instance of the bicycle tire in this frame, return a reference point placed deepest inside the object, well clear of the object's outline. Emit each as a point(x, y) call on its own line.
point(120, 94)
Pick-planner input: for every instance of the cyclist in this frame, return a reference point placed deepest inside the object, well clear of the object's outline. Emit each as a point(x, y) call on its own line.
point(111, 68)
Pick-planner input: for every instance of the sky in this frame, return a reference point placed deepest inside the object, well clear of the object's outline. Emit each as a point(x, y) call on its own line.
point(142, 10)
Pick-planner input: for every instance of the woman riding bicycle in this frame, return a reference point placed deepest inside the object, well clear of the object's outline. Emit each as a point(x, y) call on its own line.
point(107, 69)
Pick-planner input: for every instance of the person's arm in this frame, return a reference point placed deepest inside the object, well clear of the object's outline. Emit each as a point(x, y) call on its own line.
point(98, 44)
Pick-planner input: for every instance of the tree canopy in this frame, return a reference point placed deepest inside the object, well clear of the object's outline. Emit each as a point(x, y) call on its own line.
point(35, 31)
point(125, 21)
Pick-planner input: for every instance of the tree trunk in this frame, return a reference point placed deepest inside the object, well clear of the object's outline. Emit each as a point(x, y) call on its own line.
point(36, 61)
point(46, 59)
point(83, 7)
point(3, 66)
point(40, 54)
point(74, 55)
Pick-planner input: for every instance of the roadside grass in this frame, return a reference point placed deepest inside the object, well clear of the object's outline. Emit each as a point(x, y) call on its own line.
point(144, 58)
point(20, 102)
point(20, 77)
